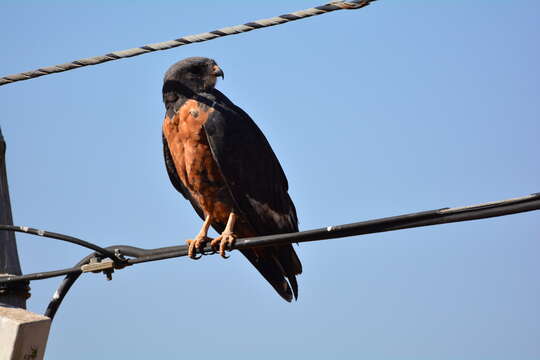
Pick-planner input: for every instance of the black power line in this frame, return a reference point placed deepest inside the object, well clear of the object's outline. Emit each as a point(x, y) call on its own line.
point(62, 237)
point(95, 263)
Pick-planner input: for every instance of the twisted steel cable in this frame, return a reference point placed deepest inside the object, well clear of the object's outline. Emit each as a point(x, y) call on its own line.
point(232, 30)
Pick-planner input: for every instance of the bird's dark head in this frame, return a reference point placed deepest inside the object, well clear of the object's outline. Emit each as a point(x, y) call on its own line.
point(198, 74)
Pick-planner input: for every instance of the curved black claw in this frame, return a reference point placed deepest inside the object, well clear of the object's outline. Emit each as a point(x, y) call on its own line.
point(226, 247)
point(216, 249)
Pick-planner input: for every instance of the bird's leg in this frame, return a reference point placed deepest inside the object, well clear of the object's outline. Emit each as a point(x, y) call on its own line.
point(227, 237)
point(200, 240)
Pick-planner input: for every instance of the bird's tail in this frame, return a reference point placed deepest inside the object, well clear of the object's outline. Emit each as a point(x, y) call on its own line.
point(279, 265)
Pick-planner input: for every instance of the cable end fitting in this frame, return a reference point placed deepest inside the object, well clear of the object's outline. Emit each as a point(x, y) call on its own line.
point(106, 266)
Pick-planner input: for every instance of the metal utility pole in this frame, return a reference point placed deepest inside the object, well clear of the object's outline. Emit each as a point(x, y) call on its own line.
point(9, 258)
point(23, 335)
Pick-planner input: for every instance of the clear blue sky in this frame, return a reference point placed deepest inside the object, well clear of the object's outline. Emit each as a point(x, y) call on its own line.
point(400, 107)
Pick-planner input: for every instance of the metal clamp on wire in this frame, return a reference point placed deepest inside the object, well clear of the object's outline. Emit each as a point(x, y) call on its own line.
point(106, 266)
point(351, 5)
point(21, 288)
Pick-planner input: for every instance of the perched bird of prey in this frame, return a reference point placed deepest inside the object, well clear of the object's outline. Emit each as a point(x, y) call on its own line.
point(220, 161)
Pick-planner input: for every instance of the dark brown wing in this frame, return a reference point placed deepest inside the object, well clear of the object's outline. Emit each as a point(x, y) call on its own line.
point(258, 187)
point(251, 169)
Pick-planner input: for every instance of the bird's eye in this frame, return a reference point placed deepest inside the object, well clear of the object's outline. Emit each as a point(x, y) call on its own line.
point(197, 70)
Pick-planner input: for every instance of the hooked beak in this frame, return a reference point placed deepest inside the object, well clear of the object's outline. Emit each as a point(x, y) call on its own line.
point(216, 70)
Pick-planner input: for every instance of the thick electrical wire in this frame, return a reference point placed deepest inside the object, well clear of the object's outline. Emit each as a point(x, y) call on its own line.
point(66, 238)
point(406, 221)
